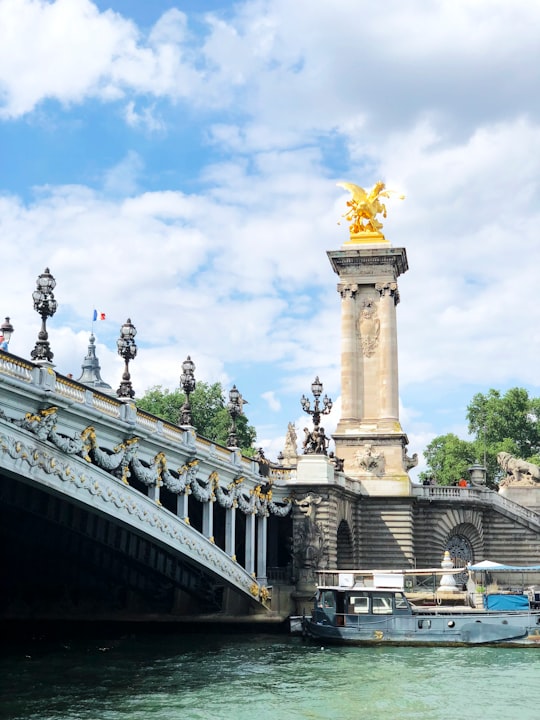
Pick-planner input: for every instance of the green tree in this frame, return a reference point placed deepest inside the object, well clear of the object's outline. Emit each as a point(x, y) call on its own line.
point(448, 459)
point(497, 423)
point(210, 416)
point(512, 418)
point(504, 423)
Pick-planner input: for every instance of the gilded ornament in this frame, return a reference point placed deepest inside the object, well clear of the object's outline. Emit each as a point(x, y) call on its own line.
point(363, 209)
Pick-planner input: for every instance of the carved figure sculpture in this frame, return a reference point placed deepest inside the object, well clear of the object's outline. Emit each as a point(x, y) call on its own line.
point(365, 206)
point(409, 462)
point(370, 460)
point(517, 470)
point(290, 451)
point(369, 326)
point(309, 543)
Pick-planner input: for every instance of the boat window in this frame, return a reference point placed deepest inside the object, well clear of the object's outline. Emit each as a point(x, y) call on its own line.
point(326, 599)
point(358, 604)
point(401, 602)
point(382, 604)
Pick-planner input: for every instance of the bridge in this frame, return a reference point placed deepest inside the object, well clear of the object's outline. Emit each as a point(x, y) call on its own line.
point(108, 511)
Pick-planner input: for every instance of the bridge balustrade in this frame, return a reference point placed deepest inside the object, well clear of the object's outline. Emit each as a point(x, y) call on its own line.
point(476, 495)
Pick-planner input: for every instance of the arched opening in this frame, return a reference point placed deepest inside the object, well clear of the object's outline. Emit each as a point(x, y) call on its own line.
point(345, 552)
point(461, 551)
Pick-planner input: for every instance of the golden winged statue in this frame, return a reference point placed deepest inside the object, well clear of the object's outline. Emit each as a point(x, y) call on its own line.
point(364, 207)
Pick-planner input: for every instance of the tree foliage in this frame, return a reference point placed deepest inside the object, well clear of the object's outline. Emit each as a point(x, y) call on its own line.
point(448, 459)
point(210, 416)
point(497, 423)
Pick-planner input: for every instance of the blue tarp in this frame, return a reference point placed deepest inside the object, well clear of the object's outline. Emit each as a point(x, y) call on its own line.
point(506, 602)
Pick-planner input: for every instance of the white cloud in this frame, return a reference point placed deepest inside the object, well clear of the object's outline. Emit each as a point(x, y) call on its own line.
point(435, 97)
point(272, 400)
point(123, 178)
point(69, 51)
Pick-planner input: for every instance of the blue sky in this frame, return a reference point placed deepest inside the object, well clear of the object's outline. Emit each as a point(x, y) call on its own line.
point(176, 163)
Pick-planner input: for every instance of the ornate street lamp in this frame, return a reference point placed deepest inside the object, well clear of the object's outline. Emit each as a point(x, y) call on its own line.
point(235, 408)
point(127, 349)
point(187, 381)
point(6, 331)
point(45, 305)
point(315, 442)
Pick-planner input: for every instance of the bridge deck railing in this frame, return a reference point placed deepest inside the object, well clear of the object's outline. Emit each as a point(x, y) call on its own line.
point(474, 494)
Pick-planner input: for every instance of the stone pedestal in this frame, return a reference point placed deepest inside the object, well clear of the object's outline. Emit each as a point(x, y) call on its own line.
point(527, 496)
point(369, 436)
point(314, 469)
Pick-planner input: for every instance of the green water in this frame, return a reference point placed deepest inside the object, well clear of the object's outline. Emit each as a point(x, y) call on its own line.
point(254, 677)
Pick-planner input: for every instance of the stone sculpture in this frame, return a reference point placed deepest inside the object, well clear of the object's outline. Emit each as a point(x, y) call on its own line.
point(290, 451)
point(518, 471)
point(370, 460)
point(309, 541)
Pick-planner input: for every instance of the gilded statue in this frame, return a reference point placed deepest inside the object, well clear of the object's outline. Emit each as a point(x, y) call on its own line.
point(364, 207)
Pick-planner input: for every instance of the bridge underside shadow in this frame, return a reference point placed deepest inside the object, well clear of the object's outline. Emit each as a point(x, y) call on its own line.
point(60, 560)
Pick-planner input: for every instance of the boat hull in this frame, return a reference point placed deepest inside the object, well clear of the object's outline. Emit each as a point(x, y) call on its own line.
point(501, 629)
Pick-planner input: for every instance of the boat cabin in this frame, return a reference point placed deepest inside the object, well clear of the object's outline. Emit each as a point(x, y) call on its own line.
point(351, 604)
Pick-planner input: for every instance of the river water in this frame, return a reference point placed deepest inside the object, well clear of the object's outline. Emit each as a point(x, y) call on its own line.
point(148, 676)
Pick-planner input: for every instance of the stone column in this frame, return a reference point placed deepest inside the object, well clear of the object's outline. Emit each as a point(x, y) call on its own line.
point(369, 437)
point(388, 371)
point(351, 400)
point(208, 519)
point(230, 531)
point(153, 492)
point(182, 508)
point(262, 529)
point(250, 543)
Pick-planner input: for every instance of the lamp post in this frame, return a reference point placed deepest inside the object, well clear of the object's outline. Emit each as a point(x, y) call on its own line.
point(45, 305)
point(235, 409)
point(6, 331)
point(127, 349)
point(316, 441)
point(188, 383)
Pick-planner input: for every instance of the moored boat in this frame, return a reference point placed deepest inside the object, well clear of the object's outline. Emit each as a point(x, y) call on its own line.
point(349, 610)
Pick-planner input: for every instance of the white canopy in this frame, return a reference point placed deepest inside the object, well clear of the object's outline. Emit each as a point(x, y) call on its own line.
point(489, 566)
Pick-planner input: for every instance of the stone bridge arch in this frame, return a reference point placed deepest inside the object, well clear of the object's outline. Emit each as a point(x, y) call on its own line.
point(344, 534)
point(459, 530)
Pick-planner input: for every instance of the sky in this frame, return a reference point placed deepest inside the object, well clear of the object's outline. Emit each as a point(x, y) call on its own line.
point(176, 163)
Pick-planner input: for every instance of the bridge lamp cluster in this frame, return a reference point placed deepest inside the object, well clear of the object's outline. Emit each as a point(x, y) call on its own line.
point(315, 441)
point(235, 408)
point(127, 349)
point(45, 305)
point(6, 331)
point(188, 383)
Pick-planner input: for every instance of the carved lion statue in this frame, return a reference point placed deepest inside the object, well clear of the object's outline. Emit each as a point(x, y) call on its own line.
point(517, 470)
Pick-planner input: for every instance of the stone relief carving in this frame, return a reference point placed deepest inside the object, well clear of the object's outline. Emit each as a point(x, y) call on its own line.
point(368, 459)
point(518, 472)
point(369, 327)
point(309, 545)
